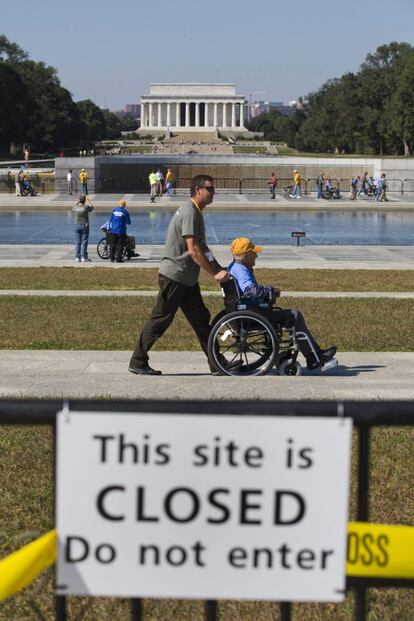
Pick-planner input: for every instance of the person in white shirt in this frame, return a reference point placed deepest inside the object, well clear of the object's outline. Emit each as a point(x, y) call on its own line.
point(70, 182)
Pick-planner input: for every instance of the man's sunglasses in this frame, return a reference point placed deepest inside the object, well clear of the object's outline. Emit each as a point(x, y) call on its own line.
point(209, 188)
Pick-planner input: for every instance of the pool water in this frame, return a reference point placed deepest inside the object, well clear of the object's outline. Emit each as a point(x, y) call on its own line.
point(150, 227)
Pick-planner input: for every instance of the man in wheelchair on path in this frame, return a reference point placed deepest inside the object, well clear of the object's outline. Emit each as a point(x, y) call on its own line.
point(260, 298)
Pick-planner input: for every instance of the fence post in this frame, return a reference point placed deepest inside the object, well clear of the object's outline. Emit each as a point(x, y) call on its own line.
point(363, 506)
point(60, 607)
point(240, 186)
point(136, 609)
point(210, 610)
point(285, 611)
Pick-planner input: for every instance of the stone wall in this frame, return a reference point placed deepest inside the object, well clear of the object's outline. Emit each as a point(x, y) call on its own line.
point(128, 174)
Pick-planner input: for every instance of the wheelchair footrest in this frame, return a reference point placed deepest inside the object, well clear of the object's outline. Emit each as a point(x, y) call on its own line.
point(329, 365)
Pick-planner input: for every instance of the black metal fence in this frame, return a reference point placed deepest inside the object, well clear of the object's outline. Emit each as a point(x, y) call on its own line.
point(365, 416)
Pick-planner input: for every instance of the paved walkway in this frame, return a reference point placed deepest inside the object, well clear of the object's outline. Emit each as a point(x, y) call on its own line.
point(226, 200)
point(57, 293)
point(287, 257)
point(104, 374)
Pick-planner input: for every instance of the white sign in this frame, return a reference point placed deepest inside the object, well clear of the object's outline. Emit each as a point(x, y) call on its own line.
point(200, 506)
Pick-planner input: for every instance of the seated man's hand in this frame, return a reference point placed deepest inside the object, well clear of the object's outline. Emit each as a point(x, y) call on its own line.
point(222, 276)
point(276, 293)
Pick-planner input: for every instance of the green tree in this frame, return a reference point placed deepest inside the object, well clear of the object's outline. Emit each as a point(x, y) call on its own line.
point(92, 121)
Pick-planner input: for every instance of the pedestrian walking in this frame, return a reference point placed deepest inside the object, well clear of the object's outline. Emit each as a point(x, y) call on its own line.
point(17, 185)
point(354, 188)
point(379, 189)
point(384, 187)
point(118, 226)
point(364, 181)
point(82, 210)
point(169, 181)
point(272, 183)
point(186, 251)
point(69, 179)
point(297, 189)
point(160, 181)
point(319, 185)
point(83, 178)
point(152, 178)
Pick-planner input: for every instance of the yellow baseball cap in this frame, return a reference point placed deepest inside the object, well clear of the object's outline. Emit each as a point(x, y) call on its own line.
point(122, 203)
point(242, 245)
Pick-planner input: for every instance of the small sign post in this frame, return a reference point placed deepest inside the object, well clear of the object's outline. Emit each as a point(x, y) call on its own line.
point(202, 506)
point(298, 235)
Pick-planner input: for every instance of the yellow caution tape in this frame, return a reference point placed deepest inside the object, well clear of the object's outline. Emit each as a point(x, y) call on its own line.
point(380, 551)
point(374, 551)
point(22, 567)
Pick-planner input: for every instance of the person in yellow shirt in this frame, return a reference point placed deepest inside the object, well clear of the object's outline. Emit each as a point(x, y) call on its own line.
point(297, 191)
point(83, 178)
point(152, 178)
point(169, 181)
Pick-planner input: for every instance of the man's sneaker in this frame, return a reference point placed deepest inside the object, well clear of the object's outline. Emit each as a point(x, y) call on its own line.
point(298, 197)
point(327, 354)
point(229, 366)
point(86, 260)
point(77, 260)
point(147, 370)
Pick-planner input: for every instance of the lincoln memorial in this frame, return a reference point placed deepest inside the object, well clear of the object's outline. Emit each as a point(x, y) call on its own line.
point(192, 106)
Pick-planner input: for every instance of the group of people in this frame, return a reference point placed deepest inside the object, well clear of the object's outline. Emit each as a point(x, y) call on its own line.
point(115, 229)
point(186, 252)
point(160, 184)
point(83, 181)
point(367, 186)
point(22, 184)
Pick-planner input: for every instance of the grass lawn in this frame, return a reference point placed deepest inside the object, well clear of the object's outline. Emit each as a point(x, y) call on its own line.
point(112, 323)
point(135, 278)
point(26, 511)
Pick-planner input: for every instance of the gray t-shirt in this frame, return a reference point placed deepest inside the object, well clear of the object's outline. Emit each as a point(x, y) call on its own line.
point(82, 214)
point(176, 263)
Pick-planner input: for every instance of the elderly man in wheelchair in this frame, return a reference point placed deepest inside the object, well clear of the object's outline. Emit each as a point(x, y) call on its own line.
point(251, 336)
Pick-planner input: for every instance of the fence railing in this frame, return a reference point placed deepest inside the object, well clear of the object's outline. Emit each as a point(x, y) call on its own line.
point(230, 185)
point(365, 416)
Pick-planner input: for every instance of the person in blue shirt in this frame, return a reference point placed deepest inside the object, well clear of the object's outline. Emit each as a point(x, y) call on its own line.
point(264, 296)
point(118, 225)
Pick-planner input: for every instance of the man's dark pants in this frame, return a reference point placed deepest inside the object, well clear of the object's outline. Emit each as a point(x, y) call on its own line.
point(172, 296)
point(117, 242)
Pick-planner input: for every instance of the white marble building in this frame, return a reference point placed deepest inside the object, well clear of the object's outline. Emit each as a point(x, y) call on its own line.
point(192, 107)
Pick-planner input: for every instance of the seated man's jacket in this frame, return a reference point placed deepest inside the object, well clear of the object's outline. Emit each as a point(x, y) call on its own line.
point(253, 294)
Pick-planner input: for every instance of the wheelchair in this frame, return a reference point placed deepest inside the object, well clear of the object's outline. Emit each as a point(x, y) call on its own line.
point(103, 247)
point(244, 342)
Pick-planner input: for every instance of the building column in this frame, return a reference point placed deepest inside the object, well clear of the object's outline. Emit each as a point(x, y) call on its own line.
point(177, 114)
point(142, 114)
point(215, 114)
point(206, 114)
point(233, 115)
point(150, 114)
point(224, 114)
point(242, 114)
point(168, 114)
point(187, 114)
point(159, 122)
point(197, 114)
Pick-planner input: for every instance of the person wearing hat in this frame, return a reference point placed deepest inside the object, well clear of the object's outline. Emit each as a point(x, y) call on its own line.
point(186, 251)
point(82, 210)
point(244, 258)
point(83, 178)
point(297, 191)
point(118, 226)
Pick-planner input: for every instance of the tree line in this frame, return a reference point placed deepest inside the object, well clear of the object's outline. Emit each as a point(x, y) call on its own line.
point(368, 112)
point(35, 109)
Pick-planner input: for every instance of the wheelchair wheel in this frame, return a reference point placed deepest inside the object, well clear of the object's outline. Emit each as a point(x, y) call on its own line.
point(124, 252)
point(242, 343)
point(103, 249)
point(288, 366)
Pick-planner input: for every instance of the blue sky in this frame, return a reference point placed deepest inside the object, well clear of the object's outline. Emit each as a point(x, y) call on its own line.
point(111, 51)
